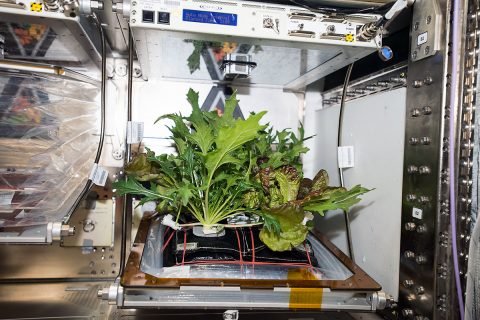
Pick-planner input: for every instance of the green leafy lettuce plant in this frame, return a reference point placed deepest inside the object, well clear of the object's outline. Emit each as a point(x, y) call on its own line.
point(225, 166)
point(210, 172)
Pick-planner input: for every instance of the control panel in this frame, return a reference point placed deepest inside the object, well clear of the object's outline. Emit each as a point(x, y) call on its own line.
point(251, 19)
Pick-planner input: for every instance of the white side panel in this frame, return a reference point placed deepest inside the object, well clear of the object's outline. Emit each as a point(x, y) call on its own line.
point(375, 126)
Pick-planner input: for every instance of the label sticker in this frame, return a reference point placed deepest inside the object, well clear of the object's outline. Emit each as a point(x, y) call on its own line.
point(134, 132)
point(98, 175)
point(422, 38)
point(6, 197)
point(417, 213)
point(188, 246)
point(346, 157)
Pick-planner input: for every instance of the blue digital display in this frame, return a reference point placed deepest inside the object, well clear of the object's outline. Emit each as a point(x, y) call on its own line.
point(228, 19)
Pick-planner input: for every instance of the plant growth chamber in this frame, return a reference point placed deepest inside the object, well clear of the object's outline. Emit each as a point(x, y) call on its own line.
point(384, 90)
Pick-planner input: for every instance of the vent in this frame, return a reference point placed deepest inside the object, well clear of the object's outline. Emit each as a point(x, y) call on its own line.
point(275, 8)
point(248, 5)
point(172, 3)
point(223, 3)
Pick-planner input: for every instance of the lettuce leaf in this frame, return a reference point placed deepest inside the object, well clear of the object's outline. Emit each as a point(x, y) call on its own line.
point(287, 231)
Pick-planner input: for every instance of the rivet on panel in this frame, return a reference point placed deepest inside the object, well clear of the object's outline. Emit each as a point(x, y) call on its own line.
point(417, 83)
point(425, 140)
point(415, 112)
point(413, 141)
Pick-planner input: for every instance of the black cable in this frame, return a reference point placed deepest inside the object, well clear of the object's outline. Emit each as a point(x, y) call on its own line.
point(89, 184)
point(103, 90)
point(344, 11)
point(339, 144)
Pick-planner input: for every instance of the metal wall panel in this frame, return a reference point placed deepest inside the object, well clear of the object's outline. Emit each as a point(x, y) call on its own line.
point(427, 288)
point(420, 206)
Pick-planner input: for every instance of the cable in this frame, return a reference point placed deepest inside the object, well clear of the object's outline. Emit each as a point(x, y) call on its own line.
point(451, 152)
point(339, 10)
point(89, 184)
point(339, 143)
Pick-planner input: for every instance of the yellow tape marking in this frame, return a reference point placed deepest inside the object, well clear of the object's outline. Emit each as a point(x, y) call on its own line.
point(349, 37)
point(36, 6)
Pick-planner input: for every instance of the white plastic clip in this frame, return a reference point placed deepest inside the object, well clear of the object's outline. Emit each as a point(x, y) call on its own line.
point(308, 217)
point(134, 132)
point(168, 221)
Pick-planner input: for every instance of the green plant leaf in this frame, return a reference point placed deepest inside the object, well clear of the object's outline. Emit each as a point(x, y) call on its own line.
point(231, 138)
point(131, 186)
point(230, 104)
point(288, 181)
point(196, 117)
point(180, 130)
point(185, 192)
point(320, 182)
point(141, 168)
point(203, 137)
point(292, 232)
point(335, 198)
point(193, 61)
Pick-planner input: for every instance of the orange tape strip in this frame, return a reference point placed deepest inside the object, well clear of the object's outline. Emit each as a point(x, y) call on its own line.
point(306, 298)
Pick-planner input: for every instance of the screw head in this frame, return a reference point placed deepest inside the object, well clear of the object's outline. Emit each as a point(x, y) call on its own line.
point(408, 313)
point(413, 141)
point(421, 229)
point(424, 170)
point(411, 197)
point(408, 283)
point(420, 259)
point(412, 169)
point(427, 110)
point(425, 140)
point(415, 112)
point(409, 226)
point(419, 290)
point(409, 254)
point(417, 83)
point(415, 25)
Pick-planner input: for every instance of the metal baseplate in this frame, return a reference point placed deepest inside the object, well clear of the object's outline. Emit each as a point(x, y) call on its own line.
point(235, 297)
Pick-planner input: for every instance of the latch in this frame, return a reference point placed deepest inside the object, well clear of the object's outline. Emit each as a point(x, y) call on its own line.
point(57, 230)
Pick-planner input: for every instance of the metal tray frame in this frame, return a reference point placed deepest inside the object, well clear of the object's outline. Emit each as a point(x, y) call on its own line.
point(134, 277)
point(139, 290)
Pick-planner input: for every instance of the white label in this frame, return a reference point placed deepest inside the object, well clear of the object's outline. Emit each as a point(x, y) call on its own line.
point(188, 246)
point(346, 157)
point(98, 175)
point(6, 197)
point(134, 132)
point(422, 38)
point(417, 213)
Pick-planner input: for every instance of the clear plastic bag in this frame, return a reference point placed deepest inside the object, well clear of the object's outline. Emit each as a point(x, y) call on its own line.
point(329, 267)
point(48, 142)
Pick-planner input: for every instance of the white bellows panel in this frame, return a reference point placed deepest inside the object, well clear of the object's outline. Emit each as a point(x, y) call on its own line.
point(47, 146)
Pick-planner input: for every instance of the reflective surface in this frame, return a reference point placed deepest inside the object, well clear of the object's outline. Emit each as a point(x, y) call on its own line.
point(51, 38)
point(332, 259)
point(275, 65)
